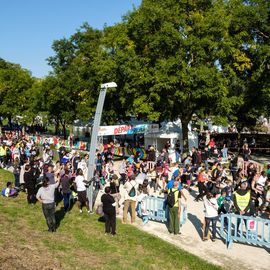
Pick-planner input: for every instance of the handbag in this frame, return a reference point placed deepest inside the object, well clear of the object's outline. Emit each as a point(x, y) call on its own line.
point(99, 210)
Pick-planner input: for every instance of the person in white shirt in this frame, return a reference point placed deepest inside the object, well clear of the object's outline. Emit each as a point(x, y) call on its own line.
point(46, 196)
point(81, 190)
point(123, 171)
point(83, 166)
point(211, 215)
point(46, 156)
point(9, 191)
point(262, 179)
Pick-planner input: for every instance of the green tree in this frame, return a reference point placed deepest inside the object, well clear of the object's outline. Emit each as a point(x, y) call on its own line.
point(168, 58)
point(247, 65)
point(14, 83)
point(72, 86)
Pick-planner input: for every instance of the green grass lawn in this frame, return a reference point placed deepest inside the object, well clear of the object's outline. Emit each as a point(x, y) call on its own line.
point(79, 242)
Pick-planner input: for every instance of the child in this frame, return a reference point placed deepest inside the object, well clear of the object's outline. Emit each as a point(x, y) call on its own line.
point(9, 191)
point(220, 201)
point(153, 176)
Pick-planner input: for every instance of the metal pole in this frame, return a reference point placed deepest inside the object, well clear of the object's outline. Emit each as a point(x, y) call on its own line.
point(93, 145)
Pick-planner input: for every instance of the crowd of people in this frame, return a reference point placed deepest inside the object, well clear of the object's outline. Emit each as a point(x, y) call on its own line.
point(49, 178)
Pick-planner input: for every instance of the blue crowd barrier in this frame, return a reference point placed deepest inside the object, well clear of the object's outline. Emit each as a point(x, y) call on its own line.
point(153, 208)
point(257, 230)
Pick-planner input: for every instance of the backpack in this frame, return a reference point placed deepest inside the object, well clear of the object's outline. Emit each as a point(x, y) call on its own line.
point(171, 199)
point(132, 192)
point(3, 192)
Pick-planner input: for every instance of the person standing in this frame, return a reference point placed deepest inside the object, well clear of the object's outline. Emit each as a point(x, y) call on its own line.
point(246, 152)
point(224, 151)
point(211, 215)
point(195, 158)
point(109, 211)
point(177, 148)
point(16, 171)
point(81, 189)
point(30, 183)
point(65, 183)
point(242, 199)
point(75, 160)
point(205, 157)
point(50, 174)
point(62, 150)
point(3, 155)
point(202, 178)
point(175, 209)
point(123, 171)
point(99, 164)
point(45, 195)
point(130, 199)
point(114, 191)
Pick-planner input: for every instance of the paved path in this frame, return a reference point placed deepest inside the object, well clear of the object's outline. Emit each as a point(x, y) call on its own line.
point(240, 256)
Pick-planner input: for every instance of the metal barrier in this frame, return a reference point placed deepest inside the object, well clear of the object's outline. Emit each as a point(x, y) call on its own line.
point(257, 230)
point(245, 164)
point(153, 208)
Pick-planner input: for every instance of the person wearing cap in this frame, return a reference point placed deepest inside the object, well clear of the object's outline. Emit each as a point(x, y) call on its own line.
point(242, 199)
point(178, 171)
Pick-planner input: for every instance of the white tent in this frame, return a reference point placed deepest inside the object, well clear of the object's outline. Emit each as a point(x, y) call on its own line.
point(171, 131)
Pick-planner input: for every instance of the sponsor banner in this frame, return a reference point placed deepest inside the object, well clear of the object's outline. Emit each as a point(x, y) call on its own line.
point(127, 129)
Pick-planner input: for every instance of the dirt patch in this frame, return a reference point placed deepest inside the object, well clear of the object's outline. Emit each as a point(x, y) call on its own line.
point(13, 257)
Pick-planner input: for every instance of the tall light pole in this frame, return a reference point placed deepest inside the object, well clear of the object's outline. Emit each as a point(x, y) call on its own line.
point(94, 136)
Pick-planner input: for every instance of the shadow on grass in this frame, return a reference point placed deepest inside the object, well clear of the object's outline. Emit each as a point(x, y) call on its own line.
point(59, 216)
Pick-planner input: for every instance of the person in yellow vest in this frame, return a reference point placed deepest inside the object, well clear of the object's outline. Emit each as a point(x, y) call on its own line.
point(3, 155)
point(242, 199)
point(174, 208)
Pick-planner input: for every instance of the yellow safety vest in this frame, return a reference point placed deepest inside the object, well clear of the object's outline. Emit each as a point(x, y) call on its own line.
point(3, 151)
point(242, 201)
point(176, 194)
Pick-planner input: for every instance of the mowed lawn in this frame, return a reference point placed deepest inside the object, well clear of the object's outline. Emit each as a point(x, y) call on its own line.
point(79, 242)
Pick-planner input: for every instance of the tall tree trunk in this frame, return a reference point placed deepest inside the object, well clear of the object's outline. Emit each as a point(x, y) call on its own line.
point(185, 135)
point(63, 124)
point(9, 120)
point(56, 127)
point(1, 124)
point(64, 130)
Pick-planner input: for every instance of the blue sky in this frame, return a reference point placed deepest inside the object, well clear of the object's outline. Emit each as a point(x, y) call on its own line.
point(28, 27)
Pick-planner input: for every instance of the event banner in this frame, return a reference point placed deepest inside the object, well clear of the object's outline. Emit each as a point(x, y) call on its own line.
point(127, 129)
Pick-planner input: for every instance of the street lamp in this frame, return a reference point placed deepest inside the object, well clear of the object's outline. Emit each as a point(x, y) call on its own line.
point(94, 135)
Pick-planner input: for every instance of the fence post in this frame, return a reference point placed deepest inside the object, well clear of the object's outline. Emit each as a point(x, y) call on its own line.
point(229, 232)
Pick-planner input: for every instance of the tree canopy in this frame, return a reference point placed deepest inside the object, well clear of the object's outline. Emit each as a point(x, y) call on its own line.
point(170, 59)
